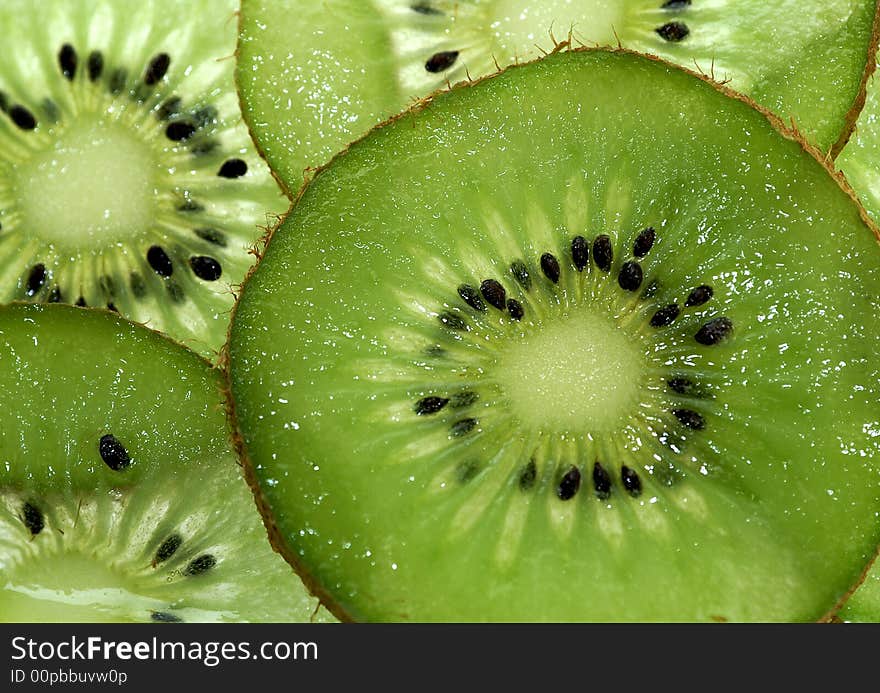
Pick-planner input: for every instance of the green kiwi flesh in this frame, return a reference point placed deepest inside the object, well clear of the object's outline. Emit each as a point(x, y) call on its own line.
point(614, 358)
point(860, 162)
point(127, 178)
point(120, 495)
point(315, 76)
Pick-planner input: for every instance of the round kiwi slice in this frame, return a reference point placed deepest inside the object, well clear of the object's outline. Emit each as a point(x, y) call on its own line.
point(589, 339)
point(314, 76)
point(120, 496)
point(128, 179)
point(860, 161)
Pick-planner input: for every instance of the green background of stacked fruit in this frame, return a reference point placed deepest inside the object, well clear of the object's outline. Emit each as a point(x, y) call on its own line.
point(432, 310)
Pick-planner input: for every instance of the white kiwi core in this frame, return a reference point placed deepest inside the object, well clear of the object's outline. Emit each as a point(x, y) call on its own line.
point(581, 372)
point(95, 184)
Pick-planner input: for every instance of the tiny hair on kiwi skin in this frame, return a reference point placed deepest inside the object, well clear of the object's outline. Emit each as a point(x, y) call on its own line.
point(459, 465)
point(128, 180)
point(813, 71)
point(133, 508)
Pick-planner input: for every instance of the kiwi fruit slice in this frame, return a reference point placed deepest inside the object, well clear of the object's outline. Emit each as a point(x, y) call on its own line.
point(860, 162)
point(120, 495)
point(614, 358)
point(315, 76)
point(128, 179)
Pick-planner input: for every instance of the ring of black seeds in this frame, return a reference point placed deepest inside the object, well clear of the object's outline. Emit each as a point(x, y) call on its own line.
point(493, 292)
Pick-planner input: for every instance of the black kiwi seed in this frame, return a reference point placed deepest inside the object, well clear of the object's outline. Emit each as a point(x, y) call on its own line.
point(175, 293)
point(631, 481)
point(521, 273)
point(54, 295)
point(601, 481)
point(463, 399)
point(690, 419)
point(36, 279)
point(441, 61)
point(515, 309)
point(108, 286)
point(675, 4)
point(673, 31)
point(550, 267)
point(159, 261)
point(471, 296)
point(430, 405)
point(652, 289)
point(528, 475)
point(206, 268)
point(157, 68)
point(644, 242)
point(212, 236)
point(205, 147)
point(200, 565)
point(204, 116)
point(190, 206)
point(462, 427)
point(603, 253)
point(32, 518)
point(681, 385)
point(95, 65)
point(494, 293)
point(167, 549)
point(138, 285)
point(113, 453)
point(714, 331)
point(467, 471)
point(453, 321)
point(4, 102)
point(580, 252)
point(67, 61)
point(665, 316)
point(81, 302)
point(112, 306)
point(569, 484)
point(233, 168)
point(22, 117)
point(164, 617)
point(698, 296)
point(170, 107)
point(50, 108)
point(424, 8)
point(630, 276)
point(117, 80)
point(180, 131)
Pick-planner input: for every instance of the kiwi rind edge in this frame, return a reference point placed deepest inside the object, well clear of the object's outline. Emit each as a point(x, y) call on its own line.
point(852, 116)
point(788, 131)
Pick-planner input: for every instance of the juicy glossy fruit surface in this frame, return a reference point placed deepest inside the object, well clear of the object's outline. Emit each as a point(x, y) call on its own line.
point(381, 376)
point(127, 177)
point(315, 76)
point(120, 497)
point(860, 161)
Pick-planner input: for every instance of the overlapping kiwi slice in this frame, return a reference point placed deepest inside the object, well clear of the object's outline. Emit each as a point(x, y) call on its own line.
point(314, 76)
point(589, 340)
point(860, 161)
point(127, 177)
point(120, 496)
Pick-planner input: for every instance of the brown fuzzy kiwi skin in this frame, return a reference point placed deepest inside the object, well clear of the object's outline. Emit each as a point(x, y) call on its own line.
point(788, 131)
point(858, 104)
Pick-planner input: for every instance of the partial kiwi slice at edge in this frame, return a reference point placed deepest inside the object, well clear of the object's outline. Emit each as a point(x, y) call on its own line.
point(593, 339)
point(860, 162)
point(314, 76)
point(127, 177)
point(120, 496)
